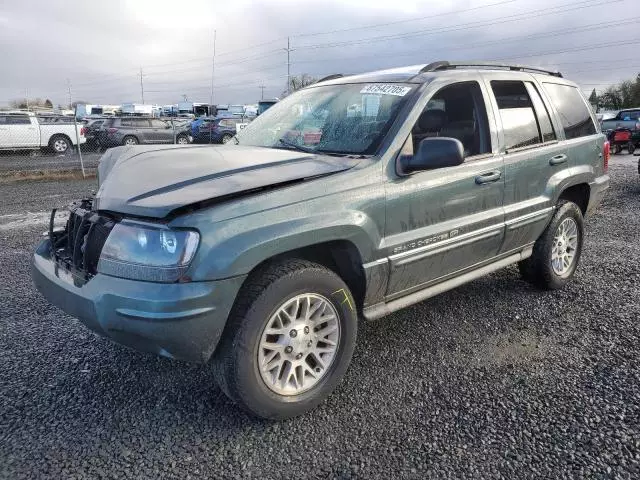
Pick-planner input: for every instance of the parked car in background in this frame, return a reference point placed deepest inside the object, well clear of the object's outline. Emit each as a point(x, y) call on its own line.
point(136, 130)
point(217, 130)
point(264, 105)
point(628, 118)
point(92, 129)
point(24, 131)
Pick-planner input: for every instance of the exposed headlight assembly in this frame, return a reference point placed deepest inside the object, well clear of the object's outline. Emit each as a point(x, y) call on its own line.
point(141, 251)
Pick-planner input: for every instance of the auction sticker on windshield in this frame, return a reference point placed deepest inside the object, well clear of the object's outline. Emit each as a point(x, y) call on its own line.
point(386, 89)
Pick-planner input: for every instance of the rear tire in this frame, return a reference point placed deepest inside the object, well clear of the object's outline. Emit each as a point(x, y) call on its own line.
point(281, 375)
point(226, 138)
point(557, 252)
point(130, 140)
point(60, 144)
point(182, 140)
point(631, 147)
point(617, 149)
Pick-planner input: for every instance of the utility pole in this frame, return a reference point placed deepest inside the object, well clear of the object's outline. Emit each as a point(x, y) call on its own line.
point(141, 86)
point(69, 90)
point(26, 97)
point(288, 50)
point(262, 87)
point(213, 70)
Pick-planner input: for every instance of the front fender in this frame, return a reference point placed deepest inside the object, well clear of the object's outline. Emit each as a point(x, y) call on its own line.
point(234, 248)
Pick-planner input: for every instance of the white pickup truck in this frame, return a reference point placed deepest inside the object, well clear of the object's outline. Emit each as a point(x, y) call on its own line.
point(23, 131)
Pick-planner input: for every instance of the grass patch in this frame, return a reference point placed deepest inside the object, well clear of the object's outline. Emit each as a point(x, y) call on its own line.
point(36, 175)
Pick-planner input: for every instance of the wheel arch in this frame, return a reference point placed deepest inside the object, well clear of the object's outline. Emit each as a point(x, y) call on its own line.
point(60, 135)
point(340, 256)
point(132, 136)
point(578, 194)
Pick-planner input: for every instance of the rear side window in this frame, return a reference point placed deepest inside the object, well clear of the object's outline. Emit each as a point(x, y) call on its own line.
point(572, 109)
point(519, 122)
point(18, 120)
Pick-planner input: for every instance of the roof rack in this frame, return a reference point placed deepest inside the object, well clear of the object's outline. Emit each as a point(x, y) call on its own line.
point(330, 77)
point(444, 65)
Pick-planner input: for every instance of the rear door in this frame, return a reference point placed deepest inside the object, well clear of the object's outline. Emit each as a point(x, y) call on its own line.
point(142, 127)
point(535, 161)
point(24, 131)
point(577, 124)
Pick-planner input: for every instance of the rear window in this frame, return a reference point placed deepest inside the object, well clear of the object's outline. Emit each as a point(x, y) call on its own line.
point(574, 113)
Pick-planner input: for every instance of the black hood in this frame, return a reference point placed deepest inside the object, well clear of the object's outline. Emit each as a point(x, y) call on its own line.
point(153, 181)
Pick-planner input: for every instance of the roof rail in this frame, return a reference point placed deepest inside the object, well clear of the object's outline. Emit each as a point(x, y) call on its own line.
point(444, 65)
point(330, 77)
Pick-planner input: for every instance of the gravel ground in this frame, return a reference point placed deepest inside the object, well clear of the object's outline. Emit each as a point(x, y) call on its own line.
point(492, 380)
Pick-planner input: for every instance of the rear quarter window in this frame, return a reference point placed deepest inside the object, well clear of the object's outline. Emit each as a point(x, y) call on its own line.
point(572, 110)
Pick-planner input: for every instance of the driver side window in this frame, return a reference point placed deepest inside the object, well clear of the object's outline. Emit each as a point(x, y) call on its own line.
point(455, 111)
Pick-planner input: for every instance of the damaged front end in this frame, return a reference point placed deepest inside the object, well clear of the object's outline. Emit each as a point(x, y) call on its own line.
point(77, 247)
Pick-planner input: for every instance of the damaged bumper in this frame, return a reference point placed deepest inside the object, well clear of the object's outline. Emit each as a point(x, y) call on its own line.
point(177, 320)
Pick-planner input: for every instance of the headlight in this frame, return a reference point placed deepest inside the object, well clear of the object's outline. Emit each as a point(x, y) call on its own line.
point(145, 252)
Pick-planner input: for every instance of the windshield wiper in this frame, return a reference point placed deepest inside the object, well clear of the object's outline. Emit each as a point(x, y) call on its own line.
point(297, 147)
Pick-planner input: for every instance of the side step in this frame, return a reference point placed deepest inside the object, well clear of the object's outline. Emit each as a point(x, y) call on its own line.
point(381, 309)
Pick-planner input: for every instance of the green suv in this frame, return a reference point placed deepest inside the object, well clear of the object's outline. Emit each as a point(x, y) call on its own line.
point(347, 200)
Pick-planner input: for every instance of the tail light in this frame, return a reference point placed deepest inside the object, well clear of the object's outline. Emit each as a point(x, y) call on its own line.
point(112, 130)
point(606, 152)
point(83, 131)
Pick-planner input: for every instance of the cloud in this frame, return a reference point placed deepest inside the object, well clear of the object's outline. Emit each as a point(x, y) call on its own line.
point(101, 47)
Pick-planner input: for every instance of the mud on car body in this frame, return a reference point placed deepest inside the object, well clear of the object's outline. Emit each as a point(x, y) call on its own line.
point(349, 199)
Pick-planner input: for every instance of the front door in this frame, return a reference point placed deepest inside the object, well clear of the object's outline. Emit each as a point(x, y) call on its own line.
point(442, 221)
point(160, 132)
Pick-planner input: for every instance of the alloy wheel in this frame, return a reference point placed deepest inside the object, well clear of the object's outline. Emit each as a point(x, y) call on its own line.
point(299, 344)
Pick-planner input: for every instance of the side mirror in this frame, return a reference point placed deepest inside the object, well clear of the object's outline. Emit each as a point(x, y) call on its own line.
point(433, 152)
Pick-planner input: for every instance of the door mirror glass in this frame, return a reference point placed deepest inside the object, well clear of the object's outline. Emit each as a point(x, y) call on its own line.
point(433, 152)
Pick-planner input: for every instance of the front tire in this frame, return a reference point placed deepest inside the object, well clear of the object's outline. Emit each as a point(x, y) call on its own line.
point(182, 140)
point(631, 147)
point(557, 252)
point(288, 341)
point(226, 138)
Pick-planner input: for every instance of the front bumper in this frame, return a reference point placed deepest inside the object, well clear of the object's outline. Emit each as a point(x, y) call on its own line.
point(598, 189)
point(179, 320)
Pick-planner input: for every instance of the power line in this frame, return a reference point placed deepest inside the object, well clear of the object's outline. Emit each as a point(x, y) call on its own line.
point(403, 21)
point(557, 33)
point(476, 24)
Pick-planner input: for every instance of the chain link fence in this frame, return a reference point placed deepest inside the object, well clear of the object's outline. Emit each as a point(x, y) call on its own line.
point(41, 142)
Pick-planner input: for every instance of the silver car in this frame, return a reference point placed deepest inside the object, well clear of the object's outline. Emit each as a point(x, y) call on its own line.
point(136, 130)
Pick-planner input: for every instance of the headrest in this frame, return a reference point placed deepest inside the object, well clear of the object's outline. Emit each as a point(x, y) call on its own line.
point(432, 120)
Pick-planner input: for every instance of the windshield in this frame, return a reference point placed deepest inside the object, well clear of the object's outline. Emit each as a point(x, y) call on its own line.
point(347, 119)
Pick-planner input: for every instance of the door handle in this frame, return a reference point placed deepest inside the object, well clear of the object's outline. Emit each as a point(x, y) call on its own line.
point(488, 177)
point(558, 159)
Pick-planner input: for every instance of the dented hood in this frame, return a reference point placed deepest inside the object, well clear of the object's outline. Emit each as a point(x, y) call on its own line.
point(152, 181)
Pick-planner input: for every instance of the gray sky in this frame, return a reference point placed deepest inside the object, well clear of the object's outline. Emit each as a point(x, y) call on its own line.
point(100, 46)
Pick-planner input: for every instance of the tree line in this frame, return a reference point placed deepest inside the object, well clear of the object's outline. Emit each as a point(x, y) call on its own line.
point(625, 94)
